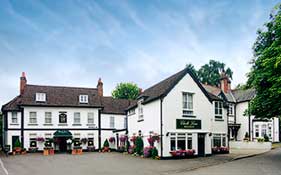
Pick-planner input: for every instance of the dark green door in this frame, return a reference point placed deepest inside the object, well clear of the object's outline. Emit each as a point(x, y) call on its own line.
point(201, 144)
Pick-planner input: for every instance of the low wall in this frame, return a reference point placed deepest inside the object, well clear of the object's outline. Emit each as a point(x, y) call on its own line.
point(250, 145)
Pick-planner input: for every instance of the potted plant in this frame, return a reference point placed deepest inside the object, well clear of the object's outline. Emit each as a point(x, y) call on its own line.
point(23, 151)
point(105, 146)
point(17, 147)
point(112, 140)
point(139, 145)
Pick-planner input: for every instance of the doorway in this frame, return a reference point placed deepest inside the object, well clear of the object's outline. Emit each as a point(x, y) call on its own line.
point(14, 139)
point(201, 144)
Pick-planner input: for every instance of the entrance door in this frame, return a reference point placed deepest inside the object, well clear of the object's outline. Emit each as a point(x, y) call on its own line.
point(62, 144)
point(14, 139)
point(201, 144)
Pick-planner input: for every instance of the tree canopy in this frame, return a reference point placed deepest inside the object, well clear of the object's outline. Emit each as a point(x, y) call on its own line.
point(126, 91)
point(265, 75)
point(210, 73)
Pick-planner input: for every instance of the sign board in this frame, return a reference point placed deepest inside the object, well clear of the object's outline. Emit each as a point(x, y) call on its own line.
point(188, 124)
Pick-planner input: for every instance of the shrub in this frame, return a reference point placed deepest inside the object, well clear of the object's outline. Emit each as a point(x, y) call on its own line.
point(139, 146)
point(154, 152)
point(106, 144)
point(147, 151)
point(17, 143)
point(260, 139)
point(266, 138)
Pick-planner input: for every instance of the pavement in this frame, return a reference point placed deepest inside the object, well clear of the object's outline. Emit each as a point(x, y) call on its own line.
point(107, 164)
point(264, 164)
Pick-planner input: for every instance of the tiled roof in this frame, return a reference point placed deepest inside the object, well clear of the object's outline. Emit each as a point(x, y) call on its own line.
point(67, 97)
point(244, 95)
point(115, 106)
point(162, 88)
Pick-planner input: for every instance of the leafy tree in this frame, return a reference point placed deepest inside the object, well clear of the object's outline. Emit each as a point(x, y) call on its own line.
point(126, 91)
point(265, 75)
point(210, 73)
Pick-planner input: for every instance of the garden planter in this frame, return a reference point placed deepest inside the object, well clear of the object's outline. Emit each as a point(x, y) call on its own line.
point(106, 149)
point(182, 153)
point(51, 151)
point(17, 149)
point(73, 152)
point(46, 152)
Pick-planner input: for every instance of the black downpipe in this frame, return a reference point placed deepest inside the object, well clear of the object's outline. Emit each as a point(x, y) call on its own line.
point(99, 125)
point(249, 122)
point(22, 128)
point(161, 126)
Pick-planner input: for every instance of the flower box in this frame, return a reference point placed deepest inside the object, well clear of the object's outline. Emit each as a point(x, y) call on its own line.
point(183, 153)
point(46, 152)
point(33, 149)
point(220, 150)
point(91, 148)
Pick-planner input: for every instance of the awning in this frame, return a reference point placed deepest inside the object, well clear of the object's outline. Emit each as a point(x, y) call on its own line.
point(62, 133)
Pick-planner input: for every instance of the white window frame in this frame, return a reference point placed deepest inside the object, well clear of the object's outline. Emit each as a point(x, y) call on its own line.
point(223, 141)
point(91, 118)
point(48, 117)
point(257, 131)
point(231, 109)
point(263, 130)
point(33, 119)
point(76, 118)
point(14, 118)
point(140, 109)
point(40, 97)
point(176, 136)
point(83, 99)
point(111, 122)
point(218, 106)
point(187, 104)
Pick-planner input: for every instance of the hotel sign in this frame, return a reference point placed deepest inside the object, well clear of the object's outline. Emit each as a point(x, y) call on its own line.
point(188, 124)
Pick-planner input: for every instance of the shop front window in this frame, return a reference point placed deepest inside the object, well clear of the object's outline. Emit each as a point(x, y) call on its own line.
point(219, 140)
point(180, 141)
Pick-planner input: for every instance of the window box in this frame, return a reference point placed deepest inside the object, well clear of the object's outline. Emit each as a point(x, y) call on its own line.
point(220, 150)
point(32, 149)
point(183, 153)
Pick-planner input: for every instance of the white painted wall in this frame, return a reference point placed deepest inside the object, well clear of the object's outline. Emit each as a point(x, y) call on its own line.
point(118, 121)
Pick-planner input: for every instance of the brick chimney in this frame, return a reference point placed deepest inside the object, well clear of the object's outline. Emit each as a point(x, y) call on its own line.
point(225, 83)
point(23, 82)
point(100, 87)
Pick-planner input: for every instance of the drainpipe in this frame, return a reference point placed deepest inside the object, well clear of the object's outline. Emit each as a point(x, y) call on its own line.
point(22, 127)
point(249, 122)
point(161, 126)
point(99, 129)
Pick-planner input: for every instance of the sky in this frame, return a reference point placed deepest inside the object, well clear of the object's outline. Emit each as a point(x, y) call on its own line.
point(74, 42)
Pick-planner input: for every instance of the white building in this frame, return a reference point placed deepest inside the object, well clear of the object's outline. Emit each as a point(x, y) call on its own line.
point(239, 123)
point(50, 111)
point(182, 113)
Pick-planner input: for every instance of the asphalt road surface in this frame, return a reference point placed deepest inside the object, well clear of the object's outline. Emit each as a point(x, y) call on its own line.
point(265, 164)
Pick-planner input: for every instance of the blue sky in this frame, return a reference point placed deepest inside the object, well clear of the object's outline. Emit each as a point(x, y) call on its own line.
point(73, 43)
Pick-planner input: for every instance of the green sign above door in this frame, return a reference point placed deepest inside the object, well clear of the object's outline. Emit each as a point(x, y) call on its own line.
point(188, 124)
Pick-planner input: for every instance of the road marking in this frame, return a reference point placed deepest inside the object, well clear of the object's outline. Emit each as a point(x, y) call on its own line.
point(3, 167)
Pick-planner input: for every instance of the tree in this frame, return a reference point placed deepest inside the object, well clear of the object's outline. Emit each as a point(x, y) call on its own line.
point(126, 91)
point(210, 73)
point(1, 121)
point(265, 75)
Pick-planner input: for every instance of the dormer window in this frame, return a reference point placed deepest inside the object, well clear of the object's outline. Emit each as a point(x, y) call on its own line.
point(83, 98)
point(40, 97)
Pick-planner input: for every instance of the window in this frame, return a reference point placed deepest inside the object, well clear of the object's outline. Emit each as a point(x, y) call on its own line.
point(180, 141)
point(76, 117)
point(218, 110)
point(40, 97)
point(269, 130)
point(14, 117)
point(90, 118)
point(263, 130)
point(131, 112)
point(219, 140)
point(90, 139)
point(125, 122)
point(32, 140)
point(83, 98)
point(257, 132)
point(62, 117)
point(33, 117)
point(111, 122)
point(187, 104)
point(48, 117)
point(231, 109)
point(140, 108)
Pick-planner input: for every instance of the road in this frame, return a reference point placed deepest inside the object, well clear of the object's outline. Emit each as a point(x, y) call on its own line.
point(265, 164)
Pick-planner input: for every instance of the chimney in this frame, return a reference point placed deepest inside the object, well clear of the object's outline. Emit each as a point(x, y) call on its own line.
point(100, 87)
point(225, 83)
point(23, 82)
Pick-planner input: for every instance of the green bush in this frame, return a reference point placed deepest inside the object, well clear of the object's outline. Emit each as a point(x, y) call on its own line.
point(139, 146)
point(154, 152)
point(260, 139)
point(106, 143)
point(266, 138)
point(17, 143)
